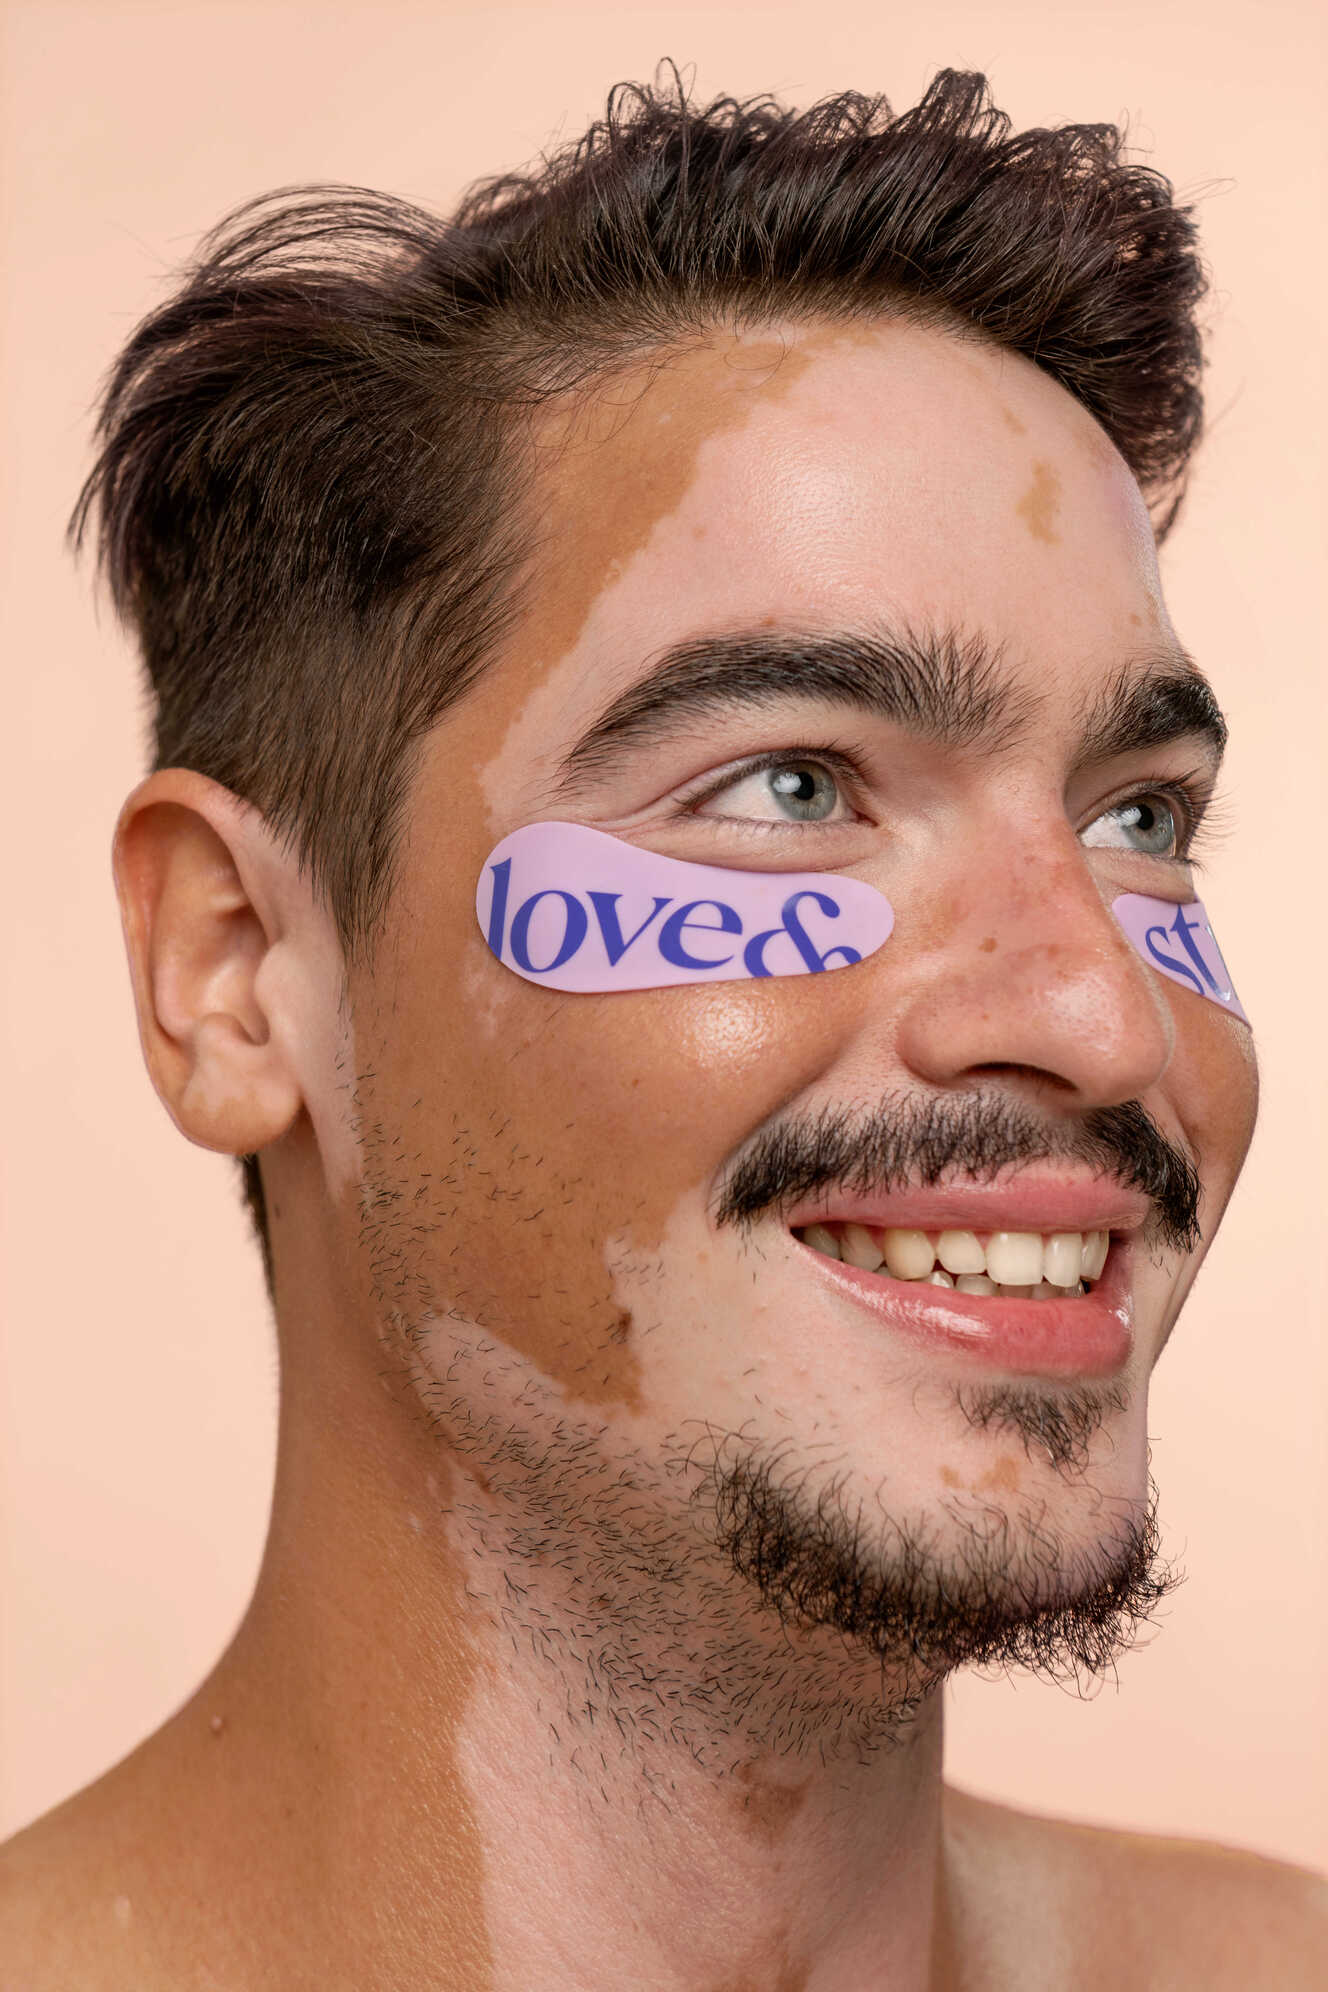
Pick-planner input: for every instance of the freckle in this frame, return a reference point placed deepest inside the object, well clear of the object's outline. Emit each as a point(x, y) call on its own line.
point(700, 532)
point(950, 1477)
point(1037, 507)
point(1003, 1478)
point(988, 946)
point(217, 1724)
point(1137, 620)
point(1012, 421)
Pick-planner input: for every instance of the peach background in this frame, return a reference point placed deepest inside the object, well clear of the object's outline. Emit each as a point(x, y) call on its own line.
point(140, 1370)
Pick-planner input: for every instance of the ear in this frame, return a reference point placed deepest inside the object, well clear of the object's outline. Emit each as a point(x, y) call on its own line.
point(202, 883)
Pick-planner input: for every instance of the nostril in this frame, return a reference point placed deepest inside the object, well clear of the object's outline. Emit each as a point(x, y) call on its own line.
point(1037, 1075)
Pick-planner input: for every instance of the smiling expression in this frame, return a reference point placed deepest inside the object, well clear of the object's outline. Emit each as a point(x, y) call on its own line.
point(713, 534)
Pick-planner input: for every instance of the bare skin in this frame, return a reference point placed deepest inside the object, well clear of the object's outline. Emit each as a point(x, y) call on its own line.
point(499, 1716)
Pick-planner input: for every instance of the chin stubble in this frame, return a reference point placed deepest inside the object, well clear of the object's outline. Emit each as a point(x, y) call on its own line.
point(991, 1588)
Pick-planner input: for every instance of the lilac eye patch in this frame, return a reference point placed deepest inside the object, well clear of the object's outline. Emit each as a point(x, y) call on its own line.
point(578, 910)
point(575, 909)
point(1179, 942)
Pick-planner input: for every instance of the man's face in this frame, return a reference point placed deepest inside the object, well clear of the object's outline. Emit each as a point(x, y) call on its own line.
point(543, 1173)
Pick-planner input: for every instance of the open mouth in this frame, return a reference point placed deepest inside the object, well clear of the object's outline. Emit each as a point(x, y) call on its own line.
point(1015, 1265)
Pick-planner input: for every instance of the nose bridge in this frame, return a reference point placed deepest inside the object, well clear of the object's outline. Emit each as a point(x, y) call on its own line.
point(1027, 967)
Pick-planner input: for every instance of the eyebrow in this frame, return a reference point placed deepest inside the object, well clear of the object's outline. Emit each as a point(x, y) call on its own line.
point(945, 686)
point(1167, 699)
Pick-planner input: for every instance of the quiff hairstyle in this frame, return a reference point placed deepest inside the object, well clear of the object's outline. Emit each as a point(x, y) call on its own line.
point(308, 497)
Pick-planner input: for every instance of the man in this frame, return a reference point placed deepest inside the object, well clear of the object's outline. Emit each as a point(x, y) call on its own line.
point(704, 1326)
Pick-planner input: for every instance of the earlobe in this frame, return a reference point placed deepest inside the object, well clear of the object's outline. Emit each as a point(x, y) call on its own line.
point(195, 872)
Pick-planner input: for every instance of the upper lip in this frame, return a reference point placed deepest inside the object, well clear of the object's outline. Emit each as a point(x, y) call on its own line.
point(1028, 1201)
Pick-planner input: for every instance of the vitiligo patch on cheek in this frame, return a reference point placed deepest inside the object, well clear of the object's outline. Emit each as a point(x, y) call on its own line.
point(578, 910)
point(1179, 942)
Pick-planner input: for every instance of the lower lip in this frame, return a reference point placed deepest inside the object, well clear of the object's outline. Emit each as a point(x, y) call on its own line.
point(1090, 1334)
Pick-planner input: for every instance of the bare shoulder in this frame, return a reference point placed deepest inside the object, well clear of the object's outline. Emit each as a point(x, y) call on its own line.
point(71, 1913)
point(1172, 1915)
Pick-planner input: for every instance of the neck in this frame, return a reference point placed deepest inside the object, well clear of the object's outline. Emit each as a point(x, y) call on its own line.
point(493, 1789)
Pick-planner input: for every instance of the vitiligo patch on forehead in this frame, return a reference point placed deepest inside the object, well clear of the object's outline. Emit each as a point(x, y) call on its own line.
point(578, 910)
point(1179, 942)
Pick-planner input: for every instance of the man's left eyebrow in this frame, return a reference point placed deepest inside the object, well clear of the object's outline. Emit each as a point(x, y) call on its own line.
point(1153, 704)
point(945, 684)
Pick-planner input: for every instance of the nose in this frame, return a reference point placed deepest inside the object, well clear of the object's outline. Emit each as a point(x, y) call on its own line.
point(1028, 978)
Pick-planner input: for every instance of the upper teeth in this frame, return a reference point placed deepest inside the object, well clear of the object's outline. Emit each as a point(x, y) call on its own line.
point(1042, 1262)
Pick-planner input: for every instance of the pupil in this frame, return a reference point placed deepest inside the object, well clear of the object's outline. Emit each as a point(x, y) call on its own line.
point(797, 784)
point(1156, 826)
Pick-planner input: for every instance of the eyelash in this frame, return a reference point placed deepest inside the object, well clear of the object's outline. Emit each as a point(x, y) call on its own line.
point(1199, 808)
point(834, 760)
point(1198, 816)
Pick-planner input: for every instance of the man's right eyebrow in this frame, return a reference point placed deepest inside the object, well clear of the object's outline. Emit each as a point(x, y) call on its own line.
point(943, 685)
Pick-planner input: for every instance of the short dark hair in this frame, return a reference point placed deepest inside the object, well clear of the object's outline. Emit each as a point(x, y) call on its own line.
point(308, 490)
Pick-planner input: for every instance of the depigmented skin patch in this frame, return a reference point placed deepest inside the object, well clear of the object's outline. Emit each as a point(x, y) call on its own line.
point(1038, 506)
point(683, 403)
point(568, 1137)
point(546, 1177)
point(539, 1253)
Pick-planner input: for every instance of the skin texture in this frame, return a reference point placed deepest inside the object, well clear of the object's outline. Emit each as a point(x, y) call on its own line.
point(499, 1716)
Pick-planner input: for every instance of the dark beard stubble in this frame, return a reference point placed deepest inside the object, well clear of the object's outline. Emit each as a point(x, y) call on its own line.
point(656, 1624)
point(1003, 1593)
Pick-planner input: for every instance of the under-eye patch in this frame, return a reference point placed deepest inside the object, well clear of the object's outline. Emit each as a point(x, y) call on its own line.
point(1179, 942)
point(580, 911)
point(576, 909)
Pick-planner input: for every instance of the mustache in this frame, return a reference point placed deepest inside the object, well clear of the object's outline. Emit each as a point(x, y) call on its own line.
point(915, 1144)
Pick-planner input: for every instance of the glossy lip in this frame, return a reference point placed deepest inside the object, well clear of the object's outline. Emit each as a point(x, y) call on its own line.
point(1089, 1335)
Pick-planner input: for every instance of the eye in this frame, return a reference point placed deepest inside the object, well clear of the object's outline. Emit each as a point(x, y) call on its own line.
point(1146, 823)
point(780, 791)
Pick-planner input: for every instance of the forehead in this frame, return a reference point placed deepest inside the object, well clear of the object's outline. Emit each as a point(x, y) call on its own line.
point(822, 477)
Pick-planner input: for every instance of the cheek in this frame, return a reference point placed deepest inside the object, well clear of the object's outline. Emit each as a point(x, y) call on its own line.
point(538, 1143)
point(643, 1096)
point(1213, 1081)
